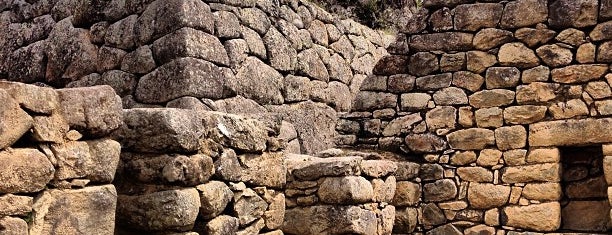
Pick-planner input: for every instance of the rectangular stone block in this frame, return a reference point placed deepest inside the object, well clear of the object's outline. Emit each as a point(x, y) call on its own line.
point(330, 220)
point(548, 172)
point(543, 217)
point(15, 205)
point(571, 132)
point(93, 111)
point(24, 171)
point(89, 210)
point(311, 168)
point(451, 41)
point(607, 167)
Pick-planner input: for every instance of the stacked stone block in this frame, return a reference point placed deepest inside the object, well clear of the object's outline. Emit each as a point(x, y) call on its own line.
point(204, 172)
point(288, 59)
point(486, 95)
point(339, 195)
point(57, 160)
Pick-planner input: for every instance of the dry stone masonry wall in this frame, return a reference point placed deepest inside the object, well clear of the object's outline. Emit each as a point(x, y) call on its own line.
point(274, 60)
point(57, 160)
point(507, 104)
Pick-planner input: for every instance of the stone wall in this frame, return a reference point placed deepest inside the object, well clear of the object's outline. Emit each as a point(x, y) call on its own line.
point(487, 95)
point(56, 159)
point(273, 60)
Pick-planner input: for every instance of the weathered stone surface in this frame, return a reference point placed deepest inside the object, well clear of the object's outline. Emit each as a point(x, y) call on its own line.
point(571, 36)
point(542, 192)
point(401, 125)
point(602, 31)
point(94, 111)
point(311, 65)
point(537, 92)
point(214, 197)
point(33, 98)
point(367, 100)
point(121, 33)
point(345, 190)
point(530, 217)
point(547, 172)
point(248, 206)
point(237, 132)
point(432, 215)
point(90, 210)
point(479, 61)
point(405, 220)
point(391, 65)
point(524, 13)
point(489, 157)
point(378, 168)
point(406, 194)
point(533, 37)
point(311, 168)
point(468, 80)
point(188, 42)
point(525, 114)
point(471, 17)
point(162, 17)
point(502, 77)
point(222, 225)
point(12, 225)
point(451, 41)
point(139, 61)
point(491, 98)
point(425, 143)
point(489, 38)
point(516, 54)
point(605, 10)
point(15, 121)
point(554, 55)
point(591, 131)
point(510, 137)
point(423, 63)
point(414, 101)
point(586, 215)
point(603, 52)
point(475, 174)
point(70, 54)
point(104, 155)
point(434, 82)
point(440, 190)
point(450, 96)
point(168, 210)
point(407, 170)
point(567, 13)
point(536, 74)
point(184, 77)
point(486, 196)
point(266, 170)
point(569, 109)
point(329, 220)
point(441, 117)
point(598, 90)
point(24, 171)
point(281, 54)
point(15, 205)
point(471, 139)
point(167, 169)
point(175, 130)
point(314, 122)
point(463, 158)
point(453, 62)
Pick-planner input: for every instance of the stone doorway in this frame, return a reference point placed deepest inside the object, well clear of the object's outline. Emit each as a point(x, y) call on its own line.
point(584, 205)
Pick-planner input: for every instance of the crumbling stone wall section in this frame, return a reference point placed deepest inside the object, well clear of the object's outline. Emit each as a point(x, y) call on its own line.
point(276, 61)
point(57, 160)
point(202, 172)
point(486, 94)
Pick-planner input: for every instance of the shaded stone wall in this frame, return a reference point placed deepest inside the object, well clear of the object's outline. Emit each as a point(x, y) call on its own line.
point(57, 160)
point(273, 60)
point(484, 95)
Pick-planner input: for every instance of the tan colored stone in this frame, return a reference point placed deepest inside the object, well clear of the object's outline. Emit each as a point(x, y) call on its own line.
point(571, 36)
point(591, 131)
point(453, 205)
point(517, 55)
point(547, 172)
point(489, 117)
point(14, 226)
point(330, 220)
point(400, 124)
point(479, 61)
point(543, 192)
point(607, 149)
point(543, 155)
point(407, 194)
point(384, 191)
point(441, 117)
point(543, 217)
point(440, 190)
point(15, 205)
point(414, 101)
point(515, 195)
point(489, 38)
point(90, 210)
point(378, 168)
point(569, 109)
point(607, 167)
point(555, 55)
point(578, 73)
point(515, 157)
point(598, 90)
point(586, 53)
point(489, 157)
point(214, 197)
point(345, 190)
point(604, 107)
point(491, 217)
point(405, 220)
point(15, 121)
point(491, 98)
point(525, 114)
point(536, 93)
point(466, 116)
point(602, 31)
point(463, 158)
point(24, 171)
point(604, 52)
point(468, 80)
point(532, 37)
point(487, 196)
point(536, 74)
point(471, 139)
point(450, 96)
point(479, 230)
point(510, 137)
point(475, 174)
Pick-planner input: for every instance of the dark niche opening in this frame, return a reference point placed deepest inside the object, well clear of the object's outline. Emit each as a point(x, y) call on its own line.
point(584, 206)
